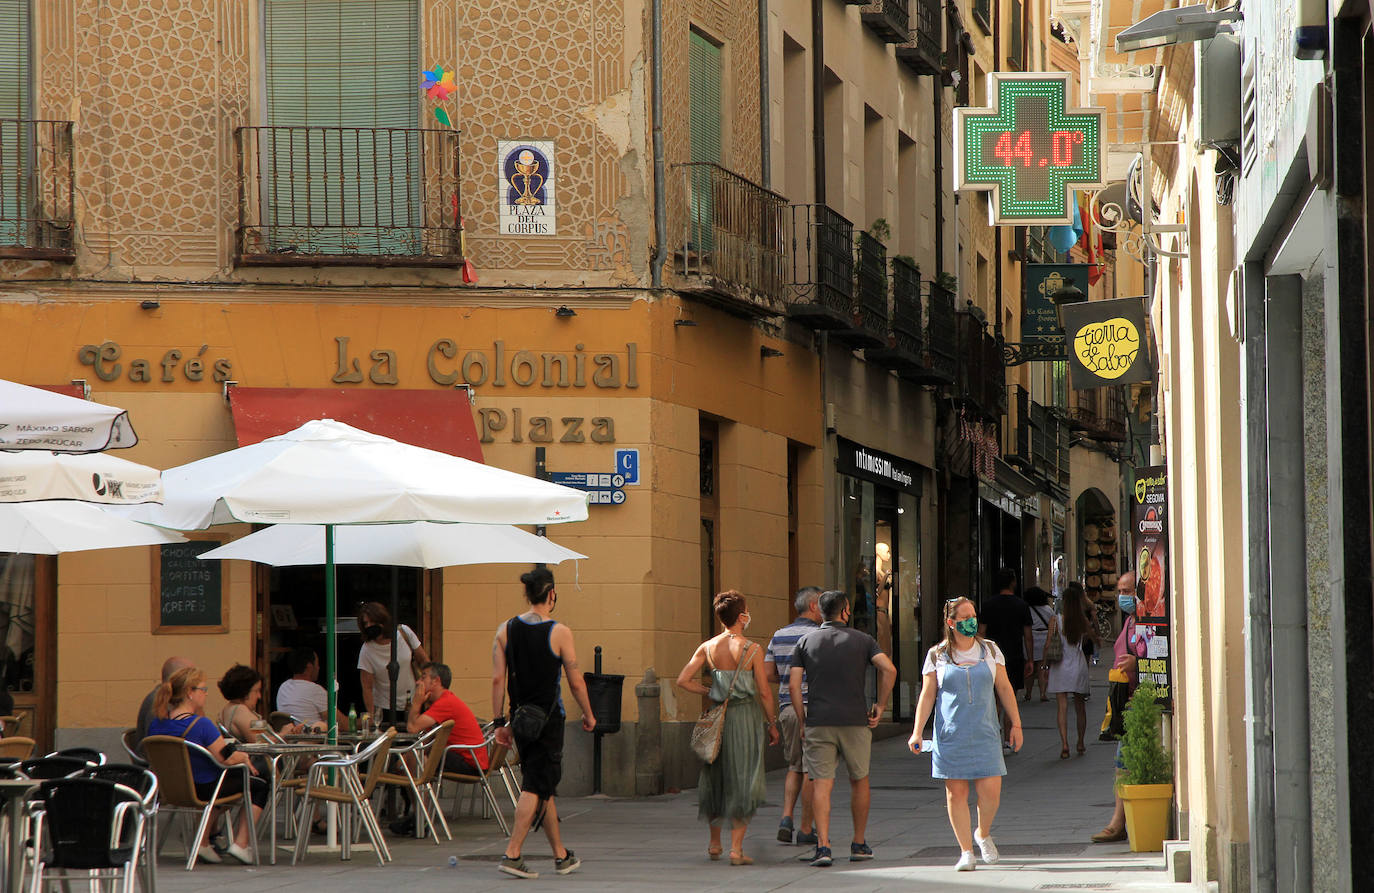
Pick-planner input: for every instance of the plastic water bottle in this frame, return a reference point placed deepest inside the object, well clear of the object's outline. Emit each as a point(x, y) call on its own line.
point(452, 861)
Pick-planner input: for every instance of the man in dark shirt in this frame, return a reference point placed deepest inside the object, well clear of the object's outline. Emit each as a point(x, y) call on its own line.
point(1006, 619)
point(834, 716)
point(145, 709)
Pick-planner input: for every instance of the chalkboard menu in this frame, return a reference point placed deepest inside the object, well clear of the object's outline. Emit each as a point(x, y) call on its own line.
point(188, 592)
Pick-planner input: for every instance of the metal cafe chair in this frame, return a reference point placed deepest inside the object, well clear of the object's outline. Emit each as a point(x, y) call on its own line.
point(350, 790)
point(140, 779)
point(170, 759)
point(89, 754)
point(478, 777)
point(17, 747)
point(421, 781)
point(90, 825)
point(126, 740)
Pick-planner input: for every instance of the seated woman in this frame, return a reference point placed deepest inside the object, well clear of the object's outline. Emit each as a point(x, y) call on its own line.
point(180, 712)
point(242, 688)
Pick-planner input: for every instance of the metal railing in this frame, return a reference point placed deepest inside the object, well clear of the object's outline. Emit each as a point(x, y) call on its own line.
point(821, 257)
point(889, 19)
point(37, 175)
point(981, 378)
point(1016, 428)
point(360, 195)
point(731, 235)
point(1035, 438)
point(923, 49)
point(942, 333)
point(907, 331)
point(1100, 413)
point(871, 266)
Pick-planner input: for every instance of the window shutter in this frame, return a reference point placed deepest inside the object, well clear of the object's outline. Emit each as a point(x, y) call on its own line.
point(703, 84)
point(15, 149)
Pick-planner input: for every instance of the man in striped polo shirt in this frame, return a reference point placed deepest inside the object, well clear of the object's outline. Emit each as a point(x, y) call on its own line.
point(777, 662)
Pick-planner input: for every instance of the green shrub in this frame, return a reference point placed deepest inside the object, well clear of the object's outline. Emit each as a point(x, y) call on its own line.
point(1142, 751)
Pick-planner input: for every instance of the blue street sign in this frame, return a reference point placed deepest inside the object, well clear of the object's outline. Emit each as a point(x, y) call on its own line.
point(602, 488)
point(627, 463)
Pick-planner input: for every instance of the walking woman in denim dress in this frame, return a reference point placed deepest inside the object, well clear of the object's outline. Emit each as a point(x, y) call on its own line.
point(964, 676)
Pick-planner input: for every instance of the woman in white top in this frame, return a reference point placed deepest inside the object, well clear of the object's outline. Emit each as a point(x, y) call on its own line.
point(1069, 675)
point(374, 622)
point(1041, 613)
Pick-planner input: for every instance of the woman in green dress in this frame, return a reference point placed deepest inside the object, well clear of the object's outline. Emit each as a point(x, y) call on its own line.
point(732, 786)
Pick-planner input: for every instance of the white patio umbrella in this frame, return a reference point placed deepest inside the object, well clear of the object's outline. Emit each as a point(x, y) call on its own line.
point(329, 473)
point(416, 544)
point(50, 528)
point(36, 475)
point(35, 419)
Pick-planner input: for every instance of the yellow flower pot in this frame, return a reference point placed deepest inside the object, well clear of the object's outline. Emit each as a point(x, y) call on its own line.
point(1147, 815)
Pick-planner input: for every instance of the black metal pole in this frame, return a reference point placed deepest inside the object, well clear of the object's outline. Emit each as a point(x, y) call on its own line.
point(393, 668)
point(596, 735)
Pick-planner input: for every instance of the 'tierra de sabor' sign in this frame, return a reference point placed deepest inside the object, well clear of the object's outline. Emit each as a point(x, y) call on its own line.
point(1107, 342)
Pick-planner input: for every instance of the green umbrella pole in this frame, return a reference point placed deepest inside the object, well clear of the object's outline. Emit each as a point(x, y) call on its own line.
point(330, 646)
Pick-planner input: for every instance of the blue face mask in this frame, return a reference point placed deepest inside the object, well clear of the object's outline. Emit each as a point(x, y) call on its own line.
point(1126, 603)
point(967, 626)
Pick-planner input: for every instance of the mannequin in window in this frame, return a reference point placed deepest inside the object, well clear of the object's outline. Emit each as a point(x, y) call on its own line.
point(882, 596)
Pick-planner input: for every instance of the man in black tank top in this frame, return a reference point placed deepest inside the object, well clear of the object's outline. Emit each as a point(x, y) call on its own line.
point(529, 653)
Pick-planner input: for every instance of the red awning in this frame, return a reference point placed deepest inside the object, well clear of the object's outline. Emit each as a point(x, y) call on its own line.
point(71, 390)
point(436, 420)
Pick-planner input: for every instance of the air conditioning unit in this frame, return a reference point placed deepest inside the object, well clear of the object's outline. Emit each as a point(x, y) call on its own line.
point(1219, 91)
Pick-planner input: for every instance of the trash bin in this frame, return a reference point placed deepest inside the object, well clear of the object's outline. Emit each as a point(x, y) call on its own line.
point(603, 690)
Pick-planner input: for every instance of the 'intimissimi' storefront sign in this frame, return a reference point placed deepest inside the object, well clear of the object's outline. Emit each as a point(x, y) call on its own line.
point(860, 461)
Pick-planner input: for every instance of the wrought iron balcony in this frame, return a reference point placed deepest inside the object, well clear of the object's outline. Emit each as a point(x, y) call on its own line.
point(904, 351)
point(889, 19)
point(1035, 439)
point(729, 248)
point(922, 49)
point(1100, 414)
point(37, 172)
point(1017, 430)
point(942, 349)
point(820, 255)
point(870, 315)
point(980, 381)
point(364, 196)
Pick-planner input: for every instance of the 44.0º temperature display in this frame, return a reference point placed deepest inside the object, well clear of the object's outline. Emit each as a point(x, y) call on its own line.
point(1028, 148)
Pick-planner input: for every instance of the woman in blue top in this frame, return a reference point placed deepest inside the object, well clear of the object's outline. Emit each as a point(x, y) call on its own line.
point(968, 675)
point(180, 712)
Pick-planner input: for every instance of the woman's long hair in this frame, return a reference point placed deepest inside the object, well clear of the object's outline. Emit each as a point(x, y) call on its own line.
point(946, 646)
point(175, 691)
point(1074, 613)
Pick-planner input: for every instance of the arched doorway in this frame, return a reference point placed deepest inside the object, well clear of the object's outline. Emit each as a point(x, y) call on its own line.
point(1098, 557)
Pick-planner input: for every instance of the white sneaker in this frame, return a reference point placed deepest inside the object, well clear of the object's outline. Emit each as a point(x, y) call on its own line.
point(987, 848)
point(240, 853)
point(208, 854)
point(966, 862)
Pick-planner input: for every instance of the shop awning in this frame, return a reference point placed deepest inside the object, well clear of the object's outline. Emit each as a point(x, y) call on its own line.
point(436, 420)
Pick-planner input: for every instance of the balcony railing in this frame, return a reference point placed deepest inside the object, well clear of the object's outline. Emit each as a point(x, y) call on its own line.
point(1016, 429)
point(907, 332)
point(730, 246)
point(820, 256)
point(871, 317)
point(37, 172)
point(374, 196)
point(981, 380)
point(942, 349)
point(922, 50)
point(889, 19)
point(1035, 439)
point(1100, 414)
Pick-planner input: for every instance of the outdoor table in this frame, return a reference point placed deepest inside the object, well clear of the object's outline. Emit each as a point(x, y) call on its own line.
point(16, 791)
point(276, 754)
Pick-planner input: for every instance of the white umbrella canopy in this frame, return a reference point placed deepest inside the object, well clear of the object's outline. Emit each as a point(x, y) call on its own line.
point(35, 419)
point(50, 528)
point(417, 544)
point(36, 475)
point(326, 472)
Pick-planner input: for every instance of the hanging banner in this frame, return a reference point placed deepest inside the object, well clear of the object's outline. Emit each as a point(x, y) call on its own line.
point(1040, 282)
point(1107, 342)
point(1150, 539)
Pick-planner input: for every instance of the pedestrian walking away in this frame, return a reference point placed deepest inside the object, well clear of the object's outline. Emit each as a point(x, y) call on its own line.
point(835, 660)
point(732, 786)
point(1006, 620)
point(1038, 601)
point(529, 652)
point(963, 676)
point(1068, 676)
point(777, 667)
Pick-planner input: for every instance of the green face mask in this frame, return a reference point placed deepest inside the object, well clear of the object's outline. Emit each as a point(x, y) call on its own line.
point(968, 626)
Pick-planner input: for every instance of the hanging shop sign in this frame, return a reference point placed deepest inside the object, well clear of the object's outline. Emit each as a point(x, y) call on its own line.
point(1107, 342)
point(526, 185)
point(1039, 312)
point(859, 461)
point(1150, 545)
point(1029, 148)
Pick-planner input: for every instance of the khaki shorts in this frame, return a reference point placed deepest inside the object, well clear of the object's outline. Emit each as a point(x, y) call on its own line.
point(790, 732)
point(823, 745)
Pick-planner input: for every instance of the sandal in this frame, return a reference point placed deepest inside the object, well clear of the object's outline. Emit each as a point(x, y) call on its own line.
point(714, 852)
point(1064, 754)
point(1082, 750)
point(740, 859)
point(320, 827)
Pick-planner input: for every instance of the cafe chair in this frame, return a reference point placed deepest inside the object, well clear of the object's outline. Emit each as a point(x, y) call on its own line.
point(169, 757)
point(91, 826)
point(479, 778)
point(126, 740)
point(45, 768)
point(16, 747)
point(144, 782)
point(350, 790)
point(279, 719)
point(89, 754)
point(429, 748)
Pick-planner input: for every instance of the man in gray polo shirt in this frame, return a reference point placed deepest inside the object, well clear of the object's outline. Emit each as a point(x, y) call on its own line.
point(834, 717)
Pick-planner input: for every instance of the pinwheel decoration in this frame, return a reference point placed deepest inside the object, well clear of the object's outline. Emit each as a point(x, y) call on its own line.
point(437, 83)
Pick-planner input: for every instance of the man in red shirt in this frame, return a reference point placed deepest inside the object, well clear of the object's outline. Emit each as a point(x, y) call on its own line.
point(433, 704)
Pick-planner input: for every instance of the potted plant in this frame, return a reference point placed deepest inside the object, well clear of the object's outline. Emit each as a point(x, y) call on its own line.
point(1146, 785)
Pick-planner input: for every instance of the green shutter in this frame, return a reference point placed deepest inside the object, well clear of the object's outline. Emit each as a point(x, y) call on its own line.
point(703, 86)
point(15, 142)
point(349, 64)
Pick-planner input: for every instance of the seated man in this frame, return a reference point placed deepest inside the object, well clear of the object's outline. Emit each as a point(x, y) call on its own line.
point(303, 697)
point(145, 710)
point(433, 704)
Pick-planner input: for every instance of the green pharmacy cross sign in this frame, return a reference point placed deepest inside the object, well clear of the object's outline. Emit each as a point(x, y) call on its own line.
point(1029, 148)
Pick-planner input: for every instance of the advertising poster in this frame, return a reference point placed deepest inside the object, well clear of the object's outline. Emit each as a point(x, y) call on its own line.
point(1150, 544)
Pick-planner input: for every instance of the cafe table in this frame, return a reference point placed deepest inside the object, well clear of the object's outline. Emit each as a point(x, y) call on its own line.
point(285, 754)
point(362, 739)
point(16, 792)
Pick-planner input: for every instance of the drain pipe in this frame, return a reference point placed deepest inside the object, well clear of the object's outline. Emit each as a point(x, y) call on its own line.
point(936, 89)
point(660, 180)
point(818, 96)
point(765, 128)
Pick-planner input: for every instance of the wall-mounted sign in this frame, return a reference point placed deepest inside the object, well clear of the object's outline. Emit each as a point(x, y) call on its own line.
point(1107, 342)
point(526, 184)
point(1029, 148)
point(602, 488)
point(1150, 538)
point(1039, 313)
point(857, 460)
point(627, 465)
point(188, 594)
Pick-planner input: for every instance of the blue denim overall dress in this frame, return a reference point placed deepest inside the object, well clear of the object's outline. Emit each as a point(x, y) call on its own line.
point(968, 739)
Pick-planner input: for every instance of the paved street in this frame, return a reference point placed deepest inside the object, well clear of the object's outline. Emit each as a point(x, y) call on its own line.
point(1050, 807)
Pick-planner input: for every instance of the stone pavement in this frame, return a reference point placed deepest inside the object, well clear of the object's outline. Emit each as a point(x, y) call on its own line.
point(1049, 809)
